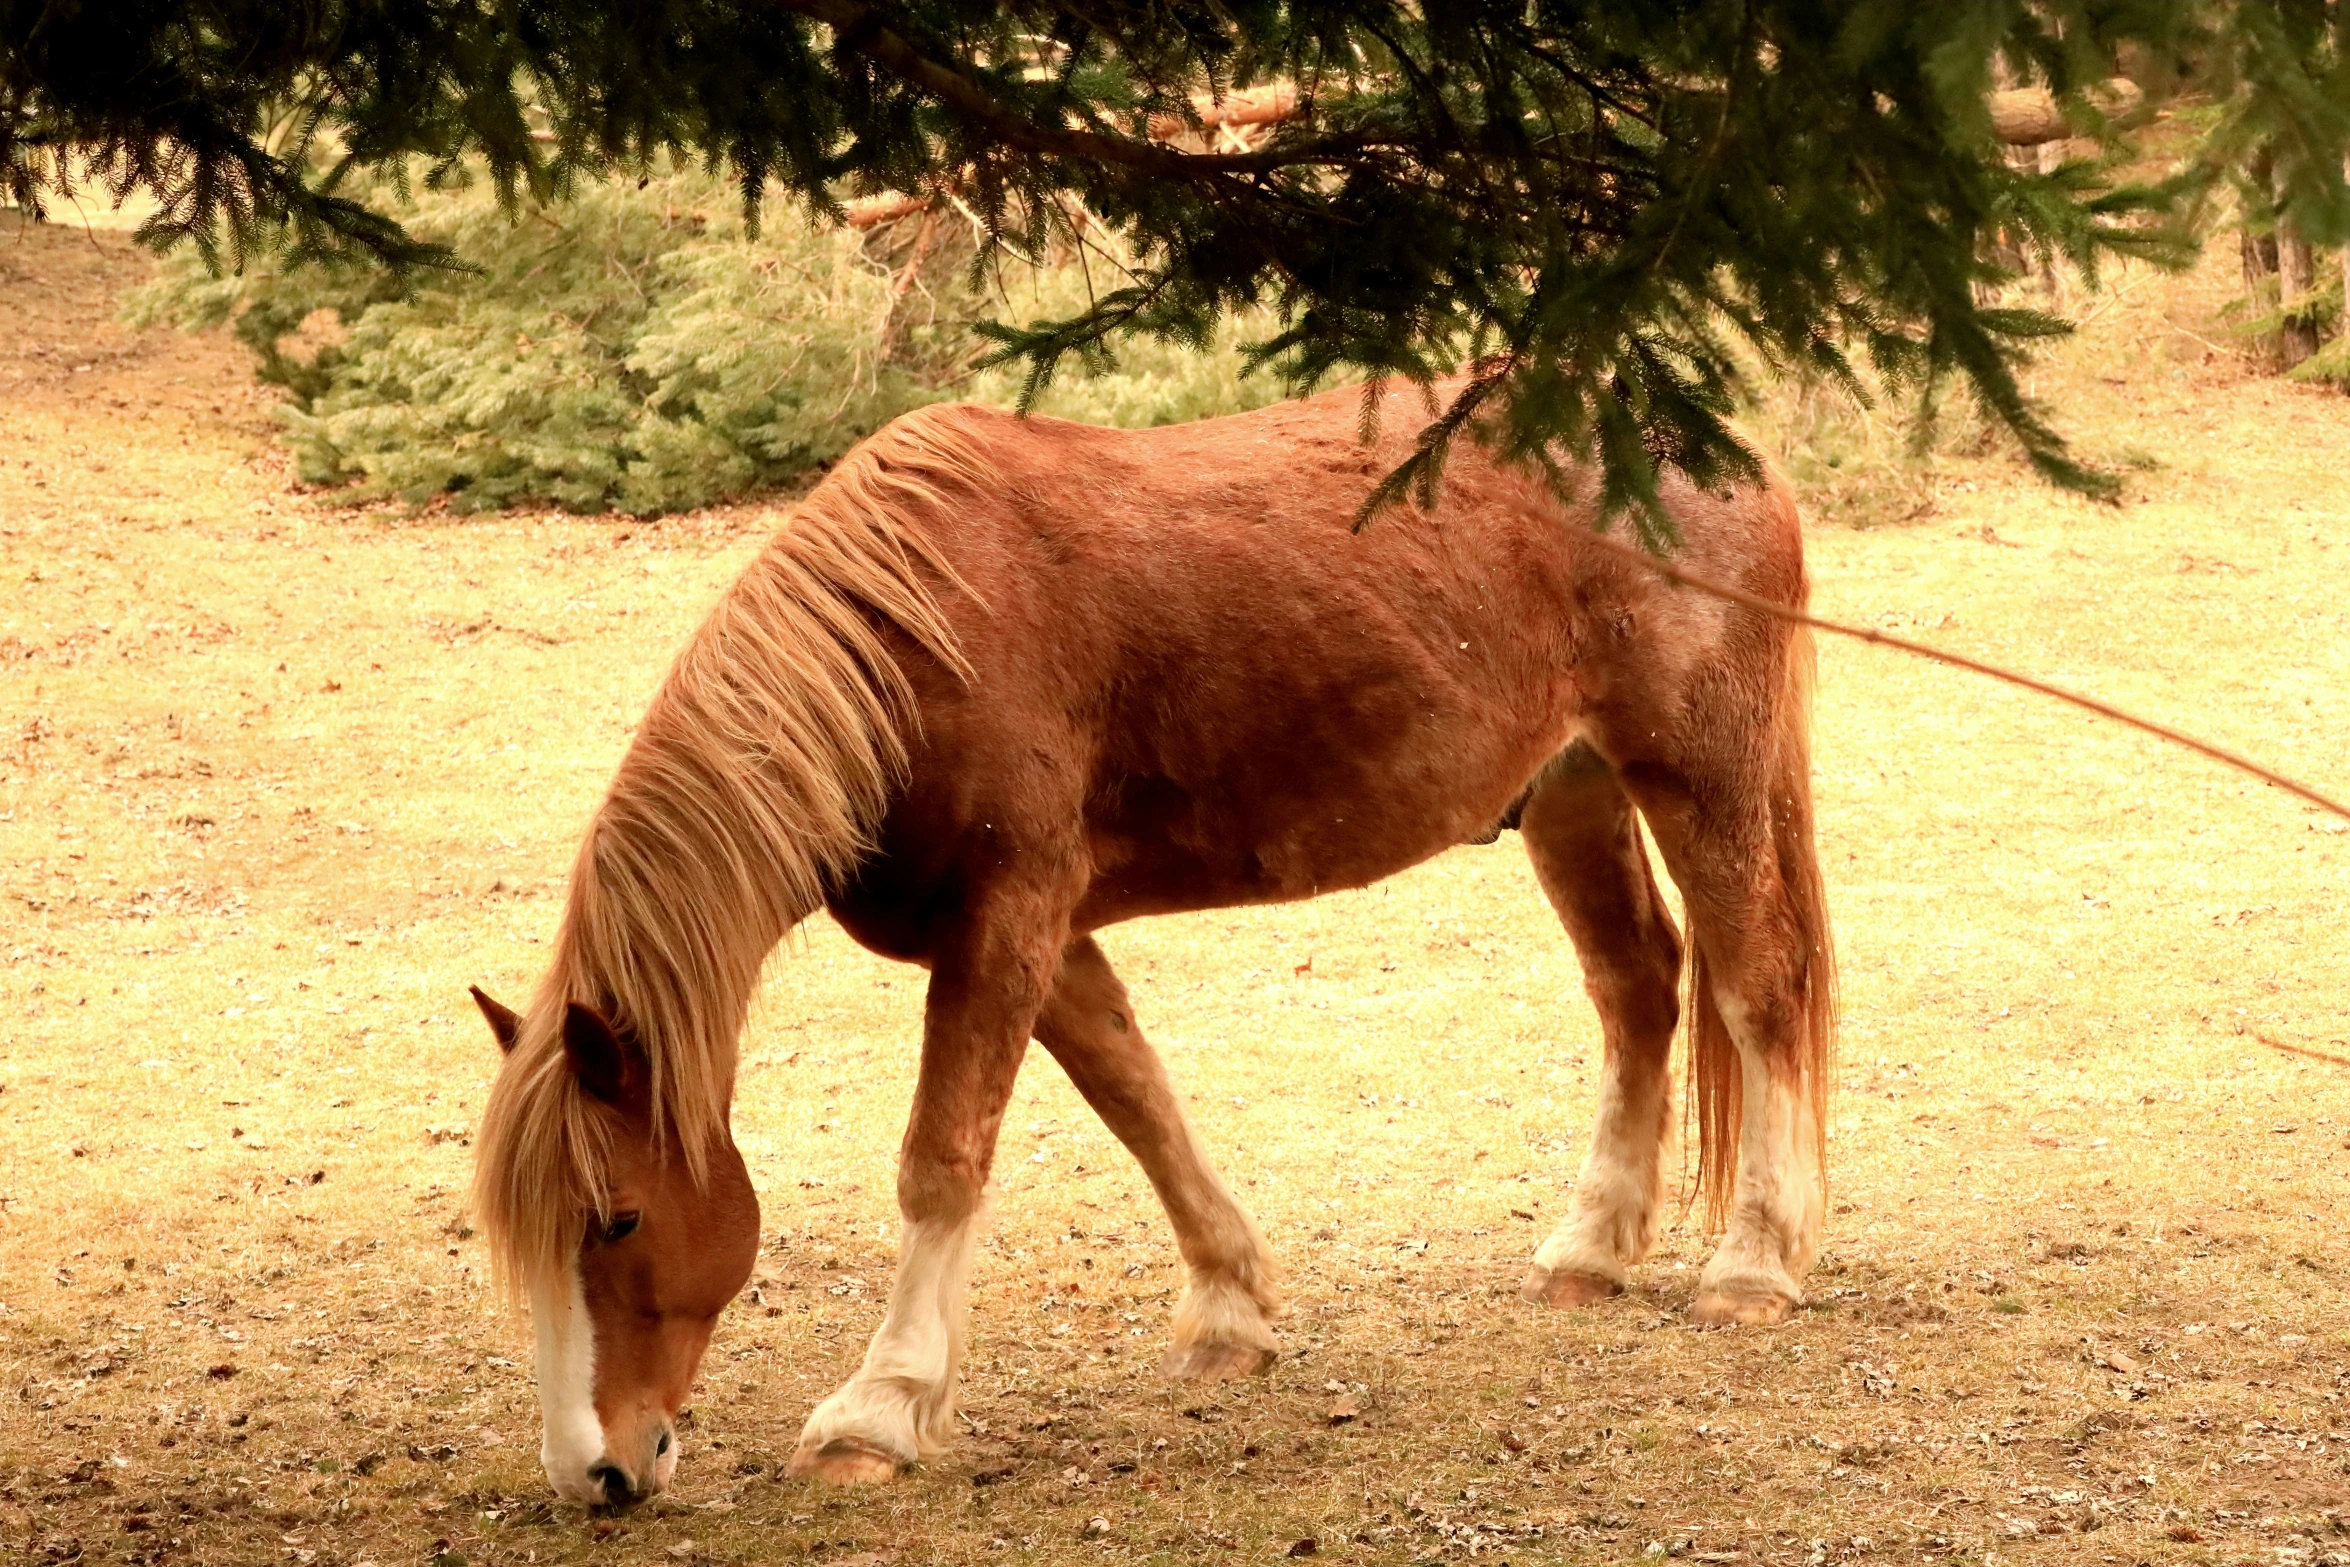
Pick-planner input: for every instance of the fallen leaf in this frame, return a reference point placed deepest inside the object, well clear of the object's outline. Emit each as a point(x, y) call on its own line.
point(2116, 1360)
point(1344, 1409)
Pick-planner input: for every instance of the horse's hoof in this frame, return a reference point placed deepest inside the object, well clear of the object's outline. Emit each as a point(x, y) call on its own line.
point(845, 1460)
point(1565, 1287)
point(1216, 1362)
point(1722, 1308)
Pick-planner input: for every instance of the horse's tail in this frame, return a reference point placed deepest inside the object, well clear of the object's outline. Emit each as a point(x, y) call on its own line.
point(1716, 1080)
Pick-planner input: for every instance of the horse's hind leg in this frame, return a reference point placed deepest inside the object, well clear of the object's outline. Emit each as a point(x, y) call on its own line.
point(1222, 1325)
point(986, 985)
point(1580, 831)
point(1762, 990)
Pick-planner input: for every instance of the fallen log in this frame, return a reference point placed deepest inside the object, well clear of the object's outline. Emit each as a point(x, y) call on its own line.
point(1266, 105)
point(871, 212)
point(2028, 116)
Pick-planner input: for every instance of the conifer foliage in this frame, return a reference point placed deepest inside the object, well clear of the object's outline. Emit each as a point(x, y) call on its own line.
point(2284, 73)
point(1600, 210)
point(629, 349)
point(634, 349)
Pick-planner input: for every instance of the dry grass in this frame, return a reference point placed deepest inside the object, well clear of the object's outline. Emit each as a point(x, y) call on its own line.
point(277, 782)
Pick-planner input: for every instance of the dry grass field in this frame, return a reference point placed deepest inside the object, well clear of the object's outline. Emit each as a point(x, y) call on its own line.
point(277, 781)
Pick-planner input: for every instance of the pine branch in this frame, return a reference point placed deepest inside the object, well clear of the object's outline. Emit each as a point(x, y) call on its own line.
point(863, 28)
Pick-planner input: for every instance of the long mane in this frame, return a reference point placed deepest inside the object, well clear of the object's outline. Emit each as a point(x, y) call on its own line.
point(751, 789)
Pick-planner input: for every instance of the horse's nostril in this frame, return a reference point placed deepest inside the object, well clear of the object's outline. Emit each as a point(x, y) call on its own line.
point(661, 1448)
point(611, 1480)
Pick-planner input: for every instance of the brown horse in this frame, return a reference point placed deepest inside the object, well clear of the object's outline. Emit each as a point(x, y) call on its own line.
point(999, 683)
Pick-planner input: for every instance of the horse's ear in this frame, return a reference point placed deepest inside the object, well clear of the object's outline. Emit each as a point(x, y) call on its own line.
point(605, 1066)
point(504, 1021)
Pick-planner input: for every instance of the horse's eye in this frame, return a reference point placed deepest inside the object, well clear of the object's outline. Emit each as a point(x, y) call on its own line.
point(621, 1228)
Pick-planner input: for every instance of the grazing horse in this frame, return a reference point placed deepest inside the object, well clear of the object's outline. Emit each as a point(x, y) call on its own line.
point(998, 683)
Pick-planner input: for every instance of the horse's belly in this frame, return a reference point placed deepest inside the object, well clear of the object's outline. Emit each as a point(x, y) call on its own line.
point(1166, 878)
point(1267, 835)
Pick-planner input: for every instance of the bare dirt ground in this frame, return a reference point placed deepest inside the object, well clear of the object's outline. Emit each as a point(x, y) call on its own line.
point(278, 781)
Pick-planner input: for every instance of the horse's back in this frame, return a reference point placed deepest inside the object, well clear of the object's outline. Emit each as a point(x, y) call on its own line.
point(1278, 492)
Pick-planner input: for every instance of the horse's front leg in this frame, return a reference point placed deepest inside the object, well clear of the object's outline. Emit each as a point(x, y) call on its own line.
point(1223, 1325)
point(985, 988)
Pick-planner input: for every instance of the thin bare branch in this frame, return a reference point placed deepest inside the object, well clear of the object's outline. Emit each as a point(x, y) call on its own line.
point(1681, 577)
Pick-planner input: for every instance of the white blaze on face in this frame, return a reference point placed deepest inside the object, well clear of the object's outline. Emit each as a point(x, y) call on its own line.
point(574, 1439)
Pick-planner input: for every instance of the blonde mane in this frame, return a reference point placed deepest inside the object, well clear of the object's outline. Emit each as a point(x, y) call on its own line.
point(752, 788)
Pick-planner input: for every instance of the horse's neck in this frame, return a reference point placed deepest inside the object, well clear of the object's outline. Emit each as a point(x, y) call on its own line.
point(753, 784)
point(668, 930)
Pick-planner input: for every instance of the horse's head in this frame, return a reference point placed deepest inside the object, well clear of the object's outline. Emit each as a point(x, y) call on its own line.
point(623, 1319)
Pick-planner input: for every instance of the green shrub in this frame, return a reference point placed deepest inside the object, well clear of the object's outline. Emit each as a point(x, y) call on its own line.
point(633, 348)
point(1153, 382)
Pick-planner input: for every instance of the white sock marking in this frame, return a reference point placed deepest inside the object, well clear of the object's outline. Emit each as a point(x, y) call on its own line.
point(1611, 1221)
point(1775, 1214)
point(902, 1398)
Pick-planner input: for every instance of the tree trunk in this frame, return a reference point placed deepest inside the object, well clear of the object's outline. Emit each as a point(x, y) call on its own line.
point(2344, 322)
point(2296, 280)
point(2258, 239)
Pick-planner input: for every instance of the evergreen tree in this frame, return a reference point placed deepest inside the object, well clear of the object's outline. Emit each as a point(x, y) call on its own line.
point(2284, 73)
point(1595, 207)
